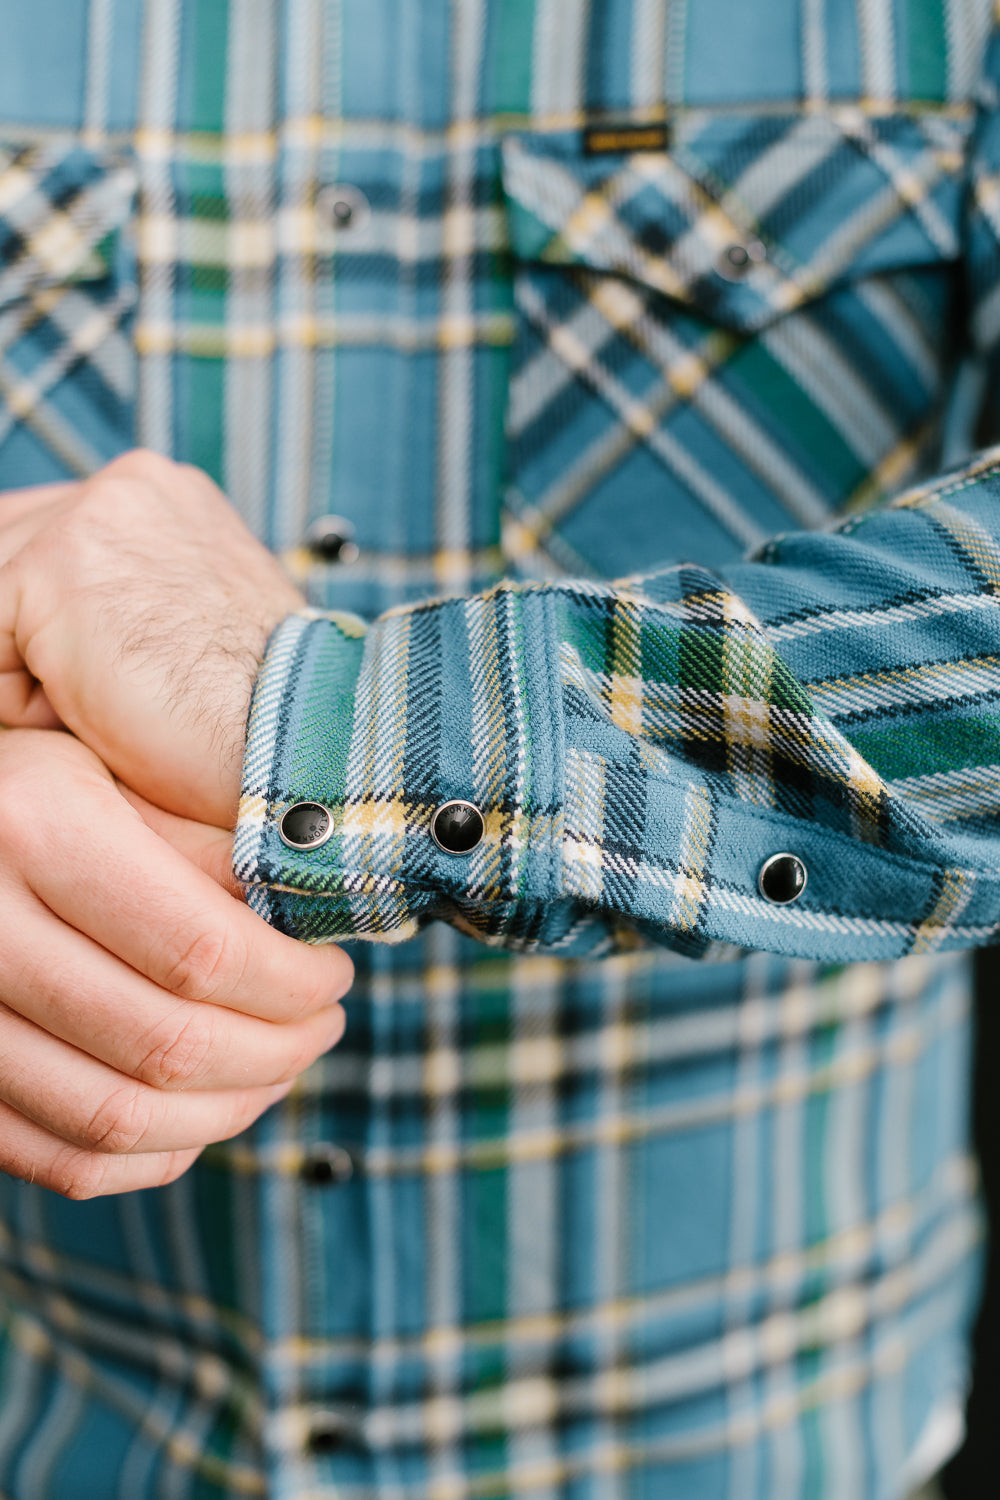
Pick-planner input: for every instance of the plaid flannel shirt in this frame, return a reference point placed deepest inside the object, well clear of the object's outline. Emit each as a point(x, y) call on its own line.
point(613, 286)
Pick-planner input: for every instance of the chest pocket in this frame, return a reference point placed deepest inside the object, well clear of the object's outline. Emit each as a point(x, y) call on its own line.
point(66, 295)
point(746, 333)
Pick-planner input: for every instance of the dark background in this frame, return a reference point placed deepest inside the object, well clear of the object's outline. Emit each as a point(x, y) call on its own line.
point(974, 1473)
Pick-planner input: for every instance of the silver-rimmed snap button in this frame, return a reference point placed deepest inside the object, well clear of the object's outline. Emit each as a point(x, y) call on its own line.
point(331, 540)
point(782, 879)
point(328, 1432)
point(326, 1165)
point(306, 825)
point(457, 827)
point(343, 207)
point(736, 260)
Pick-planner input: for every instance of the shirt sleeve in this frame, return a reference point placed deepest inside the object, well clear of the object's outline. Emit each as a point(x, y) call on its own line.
point(640, 751)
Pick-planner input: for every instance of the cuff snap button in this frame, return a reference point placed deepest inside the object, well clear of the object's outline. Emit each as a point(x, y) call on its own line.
point(782, 879)
point(457, 827)
point(306, 825)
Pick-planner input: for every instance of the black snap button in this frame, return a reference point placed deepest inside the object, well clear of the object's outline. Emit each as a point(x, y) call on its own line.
point(305, 826)
point(736, 260)
point(331, 540)
point(782, 879)
point(327, 1434)
point(457, 827)
point(326, 1166)
point(343, 207)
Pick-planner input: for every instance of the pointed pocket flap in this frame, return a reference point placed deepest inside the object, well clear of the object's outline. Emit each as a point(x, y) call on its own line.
point(745, 217)
point(59, 203)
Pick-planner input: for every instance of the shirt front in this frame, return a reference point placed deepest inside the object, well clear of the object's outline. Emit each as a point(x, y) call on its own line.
point(556, 294)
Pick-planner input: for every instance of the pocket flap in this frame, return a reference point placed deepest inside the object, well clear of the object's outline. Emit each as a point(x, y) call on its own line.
point(58, 203)
point(745, 217)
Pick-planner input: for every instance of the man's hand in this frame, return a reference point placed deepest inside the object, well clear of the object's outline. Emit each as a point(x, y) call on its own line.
point(134, 609)
point(144, 1012)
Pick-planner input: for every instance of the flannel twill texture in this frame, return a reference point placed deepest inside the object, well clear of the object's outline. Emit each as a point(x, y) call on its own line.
point(621, 1226)
point(676, 753)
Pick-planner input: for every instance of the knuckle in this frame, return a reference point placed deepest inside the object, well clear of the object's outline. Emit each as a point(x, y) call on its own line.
point(78, 1174)
point(119, 494)
point(193, 475)
point(121, 1122)
point(203, 967)
point(139, 463)
point(178, 1057)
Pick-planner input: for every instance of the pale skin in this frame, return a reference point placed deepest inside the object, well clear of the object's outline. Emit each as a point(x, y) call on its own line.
point(145, 1011)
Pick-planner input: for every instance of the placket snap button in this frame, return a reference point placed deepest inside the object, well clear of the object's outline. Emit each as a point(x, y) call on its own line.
point(735, 261)
point(325, 1165)
point(331, 539)
point(327, 1433)
point(343, 207)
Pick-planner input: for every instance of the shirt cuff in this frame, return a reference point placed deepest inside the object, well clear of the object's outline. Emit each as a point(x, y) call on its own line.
point(598, 831)
point(381, 725)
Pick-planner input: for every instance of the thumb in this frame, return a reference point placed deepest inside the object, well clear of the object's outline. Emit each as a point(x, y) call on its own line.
point(207, 847)
point(23, 701)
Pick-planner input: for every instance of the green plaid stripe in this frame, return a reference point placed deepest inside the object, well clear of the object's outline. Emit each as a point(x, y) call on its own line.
point(617, 1229)
point(677, 714)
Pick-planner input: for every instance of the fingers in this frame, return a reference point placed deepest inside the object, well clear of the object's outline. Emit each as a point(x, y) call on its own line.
point(34, 1154)
point(95, 864)
point(96, 602)
point(24, 703)
point(24, 512)
point(211, 849)
point(67, 984)
point(91, 1105)
point(32, 499)
point(109, 1081)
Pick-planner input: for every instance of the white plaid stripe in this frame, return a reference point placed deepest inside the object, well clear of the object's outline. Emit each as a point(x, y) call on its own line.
point(283, 1333)
point(455, 437)
point(251, 253)
point(878, 49)
point(533, 1231)
point(443, 1069)
point(559, 41)
point(297, 372)
point(156, 227)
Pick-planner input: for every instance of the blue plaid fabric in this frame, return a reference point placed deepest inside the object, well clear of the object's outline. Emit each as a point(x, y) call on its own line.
point(671, 294)
point(682, 741)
